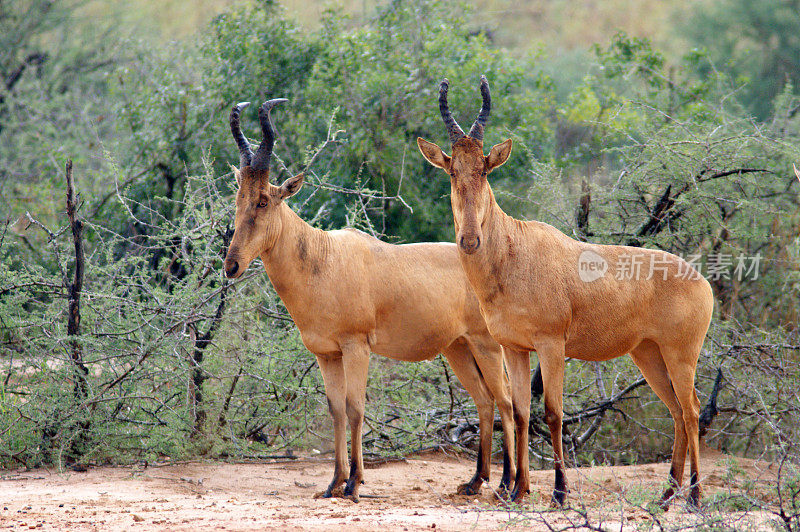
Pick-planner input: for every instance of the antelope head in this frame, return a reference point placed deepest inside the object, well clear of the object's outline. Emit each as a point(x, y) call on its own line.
point(258, 202)
point(470, 196)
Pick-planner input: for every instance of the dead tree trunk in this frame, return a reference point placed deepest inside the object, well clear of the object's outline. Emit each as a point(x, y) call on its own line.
point(198, 373)
point(80, 371)
point(201, 342)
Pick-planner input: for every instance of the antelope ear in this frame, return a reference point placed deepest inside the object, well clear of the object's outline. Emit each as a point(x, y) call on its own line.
point(237, 174)
point(433, 154)
point(290, 187)
point(498, 155)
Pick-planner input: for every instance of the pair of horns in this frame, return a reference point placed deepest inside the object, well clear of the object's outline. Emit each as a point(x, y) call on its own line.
point(259, 160)
point(453, 129)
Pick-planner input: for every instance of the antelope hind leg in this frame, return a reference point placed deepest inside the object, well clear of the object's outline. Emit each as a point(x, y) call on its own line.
point(464, 366)
point(356, 366)
point(335, 389)
point(682, 372)
point(490, 357)
point(648, 359)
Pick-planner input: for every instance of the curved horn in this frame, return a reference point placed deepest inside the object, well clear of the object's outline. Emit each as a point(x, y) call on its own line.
point(264, 151)
point(476, 132)
point(453, 129)
point(245, 154)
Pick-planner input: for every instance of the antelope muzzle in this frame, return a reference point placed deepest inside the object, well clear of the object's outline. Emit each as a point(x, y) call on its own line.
point(469, 243)
point(232, 269)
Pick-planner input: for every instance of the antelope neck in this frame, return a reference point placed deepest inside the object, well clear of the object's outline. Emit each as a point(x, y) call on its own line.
point(299, 251)
point(499, 233)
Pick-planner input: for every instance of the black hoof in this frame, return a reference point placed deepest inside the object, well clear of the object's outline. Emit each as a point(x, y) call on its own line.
point(330, 492)
point(352, 496)
point(518, 495)
point(468, 488)
point(694, 498)
point(351, 489)
point(503, 492)
point(666, 499)
point(558, 498)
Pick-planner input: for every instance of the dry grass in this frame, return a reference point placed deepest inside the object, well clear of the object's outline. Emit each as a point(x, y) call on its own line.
point(521, 25)
point(415, 494)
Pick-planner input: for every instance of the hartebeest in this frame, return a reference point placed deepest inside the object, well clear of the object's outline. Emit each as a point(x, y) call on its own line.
point(542, 291)
point(351, 294)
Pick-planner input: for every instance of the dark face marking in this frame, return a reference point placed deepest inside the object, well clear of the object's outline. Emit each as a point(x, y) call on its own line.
point(257, 222)
point(468, 186)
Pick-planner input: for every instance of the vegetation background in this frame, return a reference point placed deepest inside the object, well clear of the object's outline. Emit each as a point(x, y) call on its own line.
point(662, 124)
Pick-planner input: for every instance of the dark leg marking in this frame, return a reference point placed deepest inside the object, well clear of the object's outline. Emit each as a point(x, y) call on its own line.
point(560, 491)
point(666, 498)
point(519, 426)
point(338, 474)
point(505, 480)
point(352, 482)
point(473, 487)
point(694, 495)
point(335, 483)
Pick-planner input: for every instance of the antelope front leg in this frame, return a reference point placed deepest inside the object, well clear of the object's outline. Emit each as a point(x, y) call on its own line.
point(551, 360)
point(519, 369)
point(335, 389)
point(356, 365)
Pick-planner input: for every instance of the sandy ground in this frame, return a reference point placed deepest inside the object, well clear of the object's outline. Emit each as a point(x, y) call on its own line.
point(406, 495)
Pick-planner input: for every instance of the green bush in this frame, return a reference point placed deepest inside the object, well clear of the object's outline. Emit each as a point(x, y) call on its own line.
point(181, 362)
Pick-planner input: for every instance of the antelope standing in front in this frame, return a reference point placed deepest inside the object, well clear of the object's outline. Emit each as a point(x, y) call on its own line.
point(351, 294)
point(534, 297)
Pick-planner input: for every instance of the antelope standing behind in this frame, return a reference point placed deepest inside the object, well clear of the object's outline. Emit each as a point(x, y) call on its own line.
point(534, 297)
point(351, 294)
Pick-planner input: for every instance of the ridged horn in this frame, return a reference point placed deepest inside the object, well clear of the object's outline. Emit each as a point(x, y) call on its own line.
point(264, 151)
point(453, 129)
point(476, 132)
point(245, 153)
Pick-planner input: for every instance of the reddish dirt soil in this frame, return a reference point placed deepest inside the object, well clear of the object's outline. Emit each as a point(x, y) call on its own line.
point(409, 495)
